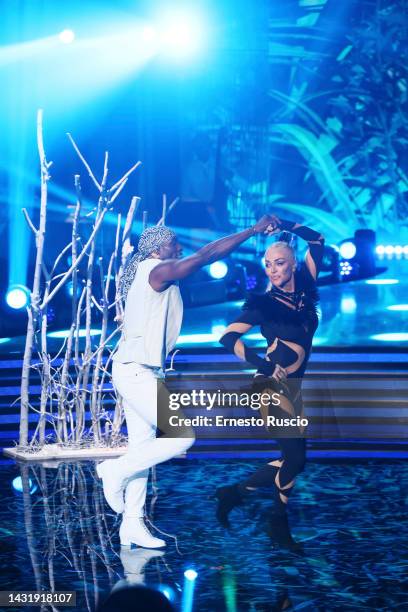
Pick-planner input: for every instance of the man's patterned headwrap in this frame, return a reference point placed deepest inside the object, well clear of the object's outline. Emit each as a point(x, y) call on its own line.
point(150, 240)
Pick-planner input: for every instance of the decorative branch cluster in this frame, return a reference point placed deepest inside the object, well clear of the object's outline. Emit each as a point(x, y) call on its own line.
point(76, 382)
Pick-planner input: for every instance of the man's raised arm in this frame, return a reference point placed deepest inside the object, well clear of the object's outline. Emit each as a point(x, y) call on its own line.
point(175, 269)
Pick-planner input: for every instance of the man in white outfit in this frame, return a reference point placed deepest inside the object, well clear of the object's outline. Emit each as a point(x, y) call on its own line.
point(152, 323)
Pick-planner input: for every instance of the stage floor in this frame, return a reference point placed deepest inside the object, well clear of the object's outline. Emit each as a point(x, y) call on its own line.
point(348, 515)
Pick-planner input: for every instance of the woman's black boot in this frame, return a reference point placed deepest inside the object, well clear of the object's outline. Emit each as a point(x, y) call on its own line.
point(279, 531)
point(228, 497)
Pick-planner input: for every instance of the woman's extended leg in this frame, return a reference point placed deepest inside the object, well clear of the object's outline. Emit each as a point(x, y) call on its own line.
point(279, 475)
point(293, 462)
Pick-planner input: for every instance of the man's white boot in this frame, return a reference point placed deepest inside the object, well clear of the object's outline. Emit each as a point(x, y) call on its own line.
point(134, 531)
point(112, 486)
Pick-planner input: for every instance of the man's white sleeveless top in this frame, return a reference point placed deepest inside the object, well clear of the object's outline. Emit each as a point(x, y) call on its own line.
point(152, 320)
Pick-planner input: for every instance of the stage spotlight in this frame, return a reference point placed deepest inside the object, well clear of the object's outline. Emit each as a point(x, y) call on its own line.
point(149, 34)
point(398, 307)
point(18, 297)
point(347, 249)
point(345, 269)
point(67, 36)
point(218, 270)
point(389, 249)
point(17, 485)
point(190, 574)
point(181, 35)
point(187, 601)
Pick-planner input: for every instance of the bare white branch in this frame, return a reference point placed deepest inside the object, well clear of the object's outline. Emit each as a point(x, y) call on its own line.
point(125, 176)
point(83, 160)
point(30, 223)
point(118, 191)
point(79, 258)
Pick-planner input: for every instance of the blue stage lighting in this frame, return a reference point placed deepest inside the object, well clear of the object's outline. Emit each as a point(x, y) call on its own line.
point(254, 336)
point(218, 269)
point(319, 341)
point(69, 287)
point(348, 305)
point(17, 485)
point(345, 268)
point(187, 601)
point(391, 337)
point(197, 338)
point(4, 340)
point(67, 36)
point(382, 281)
point(65, 333)
point(149, 34)
point(181, 35)
point(18, 297)
point(347, 249)
point(218, 328)
point(167, 592)
point(190, 574)
point(389, 249)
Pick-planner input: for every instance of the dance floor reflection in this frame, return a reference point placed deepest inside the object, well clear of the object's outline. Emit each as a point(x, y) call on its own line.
point(57, 534)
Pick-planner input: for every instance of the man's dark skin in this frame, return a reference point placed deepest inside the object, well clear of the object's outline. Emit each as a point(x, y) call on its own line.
point(173, 267)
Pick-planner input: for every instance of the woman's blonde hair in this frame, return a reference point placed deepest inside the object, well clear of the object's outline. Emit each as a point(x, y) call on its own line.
point(281, 244)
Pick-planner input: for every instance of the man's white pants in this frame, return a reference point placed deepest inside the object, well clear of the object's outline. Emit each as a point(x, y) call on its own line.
point(137, 384)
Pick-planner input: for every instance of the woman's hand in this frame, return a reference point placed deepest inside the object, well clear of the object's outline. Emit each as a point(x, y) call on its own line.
point(275, 231)
point(279, 373)
point(275, 227)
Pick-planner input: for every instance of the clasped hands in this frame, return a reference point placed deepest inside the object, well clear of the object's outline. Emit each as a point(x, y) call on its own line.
point(267, 224)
